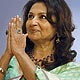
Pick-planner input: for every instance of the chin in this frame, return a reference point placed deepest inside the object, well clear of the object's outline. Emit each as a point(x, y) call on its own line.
point(34, 38)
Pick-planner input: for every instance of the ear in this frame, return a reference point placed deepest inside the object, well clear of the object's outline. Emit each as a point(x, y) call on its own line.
point(54, 18)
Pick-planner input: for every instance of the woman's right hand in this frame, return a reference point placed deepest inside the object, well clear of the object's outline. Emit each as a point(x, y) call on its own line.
point(8, 47)
point(7, 55)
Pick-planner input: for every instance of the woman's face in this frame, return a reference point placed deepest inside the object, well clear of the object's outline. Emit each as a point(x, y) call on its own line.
point(38, 27)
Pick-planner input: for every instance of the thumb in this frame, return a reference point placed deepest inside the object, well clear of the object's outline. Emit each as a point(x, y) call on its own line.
point(25, 34)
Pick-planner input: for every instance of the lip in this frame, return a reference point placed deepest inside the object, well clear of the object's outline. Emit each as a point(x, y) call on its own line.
point(34, 30)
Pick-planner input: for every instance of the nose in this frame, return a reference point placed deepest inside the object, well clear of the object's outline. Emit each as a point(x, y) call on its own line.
point(35, 21)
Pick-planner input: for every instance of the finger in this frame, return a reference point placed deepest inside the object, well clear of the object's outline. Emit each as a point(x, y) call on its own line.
point(12, 19)
point(25, 34)
point(19, 24)
point(12, 30)
point(19, 30)
point(8, 38)
point(8, 31)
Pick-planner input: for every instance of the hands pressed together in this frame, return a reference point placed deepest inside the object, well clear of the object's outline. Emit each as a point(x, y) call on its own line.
point(16, 40)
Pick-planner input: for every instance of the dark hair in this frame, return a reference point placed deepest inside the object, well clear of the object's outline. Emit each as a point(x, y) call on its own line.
point(63, 53)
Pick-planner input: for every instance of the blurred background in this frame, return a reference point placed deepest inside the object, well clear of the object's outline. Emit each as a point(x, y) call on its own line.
point(11, 8)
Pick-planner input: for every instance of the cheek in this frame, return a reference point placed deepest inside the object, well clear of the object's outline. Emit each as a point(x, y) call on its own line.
point(48, 30)
point(45, 31)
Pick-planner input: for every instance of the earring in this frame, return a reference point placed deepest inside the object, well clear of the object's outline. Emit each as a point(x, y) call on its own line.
point(58, 39)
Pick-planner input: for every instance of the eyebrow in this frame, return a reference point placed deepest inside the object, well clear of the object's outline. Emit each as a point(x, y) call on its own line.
point(38, 13)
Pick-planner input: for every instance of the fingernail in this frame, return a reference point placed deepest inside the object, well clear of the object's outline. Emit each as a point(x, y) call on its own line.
point(17, 15)
point(11, 18)
point(14, 19)
point(9, 23)
point(12, 23)
point(20, 19)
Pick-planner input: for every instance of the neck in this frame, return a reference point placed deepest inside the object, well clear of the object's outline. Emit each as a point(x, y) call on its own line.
point(42, 54)
point(43, 50)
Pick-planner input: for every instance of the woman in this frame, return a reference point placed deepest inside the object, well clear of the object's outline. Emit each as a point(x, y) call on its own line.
point(47, 55)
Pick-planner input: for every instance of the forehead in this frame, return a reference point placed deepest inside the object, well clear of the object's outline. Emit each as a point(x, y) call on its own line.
point(38, 7)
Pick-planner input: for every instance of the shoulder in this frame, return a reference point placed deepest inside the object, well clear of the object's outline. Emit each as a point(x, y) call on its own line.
point(68, 71)
point(66, 67)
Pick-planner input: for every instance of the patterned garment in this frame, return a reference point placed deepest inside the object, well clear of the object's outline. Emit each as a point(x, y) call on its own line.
point(69, 71)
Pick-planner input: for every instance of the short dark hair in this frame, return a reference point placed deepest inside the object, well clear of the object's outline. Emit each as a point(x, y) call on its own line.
point(59, 8)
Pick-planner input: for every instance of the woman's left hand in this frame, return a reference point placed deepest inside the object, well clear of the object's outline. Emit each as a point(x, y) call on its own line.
point(18, 40)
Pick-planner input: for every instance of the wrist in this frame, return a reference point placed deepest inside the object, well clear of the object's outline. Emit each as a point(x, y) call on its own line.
point(2, 70)
point(19, 51)
point(8, 53)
